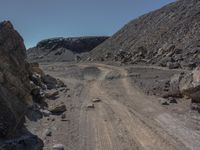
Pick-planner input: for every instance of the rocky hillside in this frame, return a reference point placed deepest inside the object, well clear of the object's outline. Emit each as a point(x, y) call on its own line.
point(167, 37)
point(63, 49)
point(14, 79)
point(15, 92)
point(24, 90)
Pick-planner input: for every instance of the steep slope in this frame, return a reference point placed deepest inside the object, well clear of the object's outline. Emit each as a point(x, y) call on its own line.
point(63, 49)
point(169, 37)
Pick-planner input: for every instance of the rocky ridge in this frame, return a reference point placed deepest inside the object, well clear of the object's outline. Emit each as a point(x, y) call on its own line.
point(63, 49)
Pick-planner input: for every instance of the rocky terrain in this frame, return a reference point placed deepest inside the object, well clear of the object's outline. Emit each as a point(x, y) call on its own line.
point(63, 49)
point(166, 37)
point(138, 90)
point(15, 89)
point(23, 90)
point(106, 108)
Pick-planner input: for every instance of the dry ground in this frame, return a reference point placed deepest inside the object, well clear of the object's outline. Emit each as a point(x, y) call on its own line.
point(125, 119)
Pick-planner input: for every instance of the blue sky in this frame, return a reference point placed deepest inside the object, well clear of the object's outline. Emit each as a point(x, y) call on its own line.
point(41, 19)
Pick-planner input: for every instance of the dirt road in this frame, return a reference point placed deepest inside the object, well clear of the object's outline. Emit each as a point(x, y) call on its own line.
point(124, 119)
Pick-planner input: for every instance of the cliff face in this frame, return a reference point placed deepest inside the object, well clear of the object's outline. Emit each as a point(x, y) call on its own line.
point(63, 49)
point(168, 37)
point(14, 80)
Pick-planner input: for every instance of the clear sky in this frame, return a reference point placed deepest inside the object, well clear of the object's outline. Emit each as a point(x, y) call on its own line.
point(41, 19)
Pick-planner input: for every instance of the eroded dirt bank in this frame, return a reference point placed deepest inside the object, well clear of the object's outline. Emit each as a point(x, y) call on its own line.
point(123, 119)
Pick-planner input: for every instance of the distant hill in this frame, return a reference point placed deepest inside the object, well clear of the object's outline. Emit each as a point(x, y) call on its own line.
point(169, 37)
point(63, 49)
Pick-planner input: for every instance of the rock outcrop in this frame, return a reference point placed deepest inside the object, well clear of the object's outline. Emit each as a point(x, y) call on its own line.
point(190, 85)
point(63, 49)
point(15, 92)
point(15, 87)
point(167, 37)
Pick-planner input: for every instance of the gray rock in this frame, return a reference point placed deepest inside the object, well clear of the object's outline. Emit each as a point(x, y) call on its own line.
point(59, 147)
point(90, 106)
point(174, 86)
point(96, 100)
point(51, 95)
point(163, 101)
point(50, 82)
point(58, 108)
point(47, 132)
point(46, 113)
point(190, 85)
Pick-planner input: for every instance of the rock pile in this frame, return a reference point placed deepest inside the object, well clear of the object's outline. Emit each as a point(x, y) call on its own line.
point(41, 82)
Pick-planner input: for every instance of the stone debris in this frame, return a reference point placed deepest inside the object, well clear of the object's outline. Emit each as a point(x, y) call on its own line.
point(59, 147)
point(58, 108)
point(96, 100)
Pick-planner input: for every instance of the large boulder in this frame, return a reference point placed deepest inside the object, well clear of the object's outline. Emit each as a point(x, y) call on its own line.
point(174, 85)
point(15, 91)
point(14, 80)
point(190, 85)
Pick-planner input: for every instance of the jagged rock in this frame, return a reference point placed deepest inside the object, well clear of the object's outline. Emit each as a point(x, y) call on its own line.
point(58, 108)
point(38, 94)
point(45, 113)
point(174, 85)
point(190, 85)
point(15, 91)
point(36, 79)
point(14, 74)
point(35, 68)
point(52, 95)
point(49, 81)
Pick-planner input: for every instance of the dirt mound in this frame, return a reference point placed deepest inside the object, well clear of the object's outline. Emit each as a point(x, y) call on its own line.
point(63, 49)
point(166, 37)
